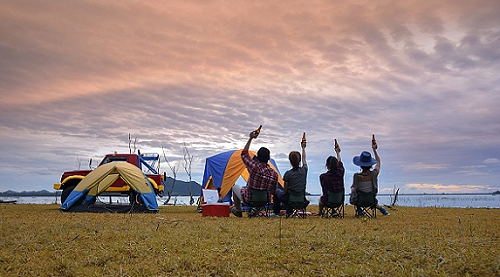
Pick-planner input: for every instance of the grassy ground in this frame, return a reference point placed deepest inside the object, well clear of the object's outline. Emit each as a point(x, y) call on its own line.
point(38, 240)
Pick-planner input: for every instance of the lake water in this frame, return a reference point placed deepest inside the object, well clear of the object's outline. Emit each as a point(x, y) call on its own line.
point(431, 200)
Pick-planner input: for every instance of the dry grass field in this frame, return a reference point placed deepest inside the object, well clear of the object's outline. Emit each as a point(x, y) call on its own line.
point(39, 240)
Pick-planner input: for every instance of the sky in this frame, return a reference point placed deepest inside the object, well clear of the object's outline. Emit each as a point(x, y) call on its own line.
point(77, 77)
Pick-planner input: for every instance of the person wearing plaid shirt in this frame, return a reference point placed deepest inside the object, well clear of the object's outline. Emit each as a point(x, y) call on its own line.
point(333, 179)
point(261, 176)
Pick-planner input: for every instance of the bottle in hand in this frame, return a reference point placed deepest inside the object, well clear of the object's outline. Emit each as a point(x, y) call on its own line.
point(374, 142)
point(303, 138)
point(257, 132)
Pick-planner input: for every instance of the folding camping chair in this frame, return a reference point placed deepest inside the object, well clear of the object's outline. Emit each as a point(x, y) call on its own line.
point(334, 206)
point(365, 205)
point(259, 201)
point(297, 204)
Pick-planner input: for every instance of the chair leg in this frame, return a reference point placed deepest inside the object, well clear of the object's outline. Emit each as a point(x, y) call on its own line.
point(370, 212)
point(292, 213)
point(330, 212)
point(358, 211)
point(339, 211)
point(268, 210)
point(325, 212)
point(254, 211)
point(296, 212)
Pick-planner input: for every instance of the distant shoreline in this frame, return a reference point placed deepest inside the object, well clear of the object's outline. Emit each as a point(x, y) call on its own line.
point(43, 193)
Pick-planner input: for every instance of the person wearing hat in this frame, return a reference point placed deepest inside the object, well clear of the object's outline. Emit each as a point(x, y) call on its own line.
point(366, 181)
point(261, 175)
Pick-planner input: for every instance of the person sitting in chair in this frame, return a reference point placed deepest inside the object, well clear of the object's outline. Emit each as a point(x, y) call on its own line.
point(261, 176)
point(366, 181)
point(332, 180)
point(294, 180)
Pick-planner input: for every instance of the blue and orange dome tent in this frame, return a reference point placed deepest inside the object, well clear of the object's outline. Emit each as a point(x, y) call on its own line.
point(223, 170)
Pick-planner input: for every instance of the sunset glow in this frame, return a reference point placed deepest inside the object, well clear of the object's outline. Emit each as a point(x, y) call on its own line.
point(77, 77)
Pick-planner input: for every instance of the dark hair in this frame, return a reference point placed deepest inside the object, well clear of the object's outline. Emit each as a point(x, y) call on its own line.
point(263, 155)
point(331, 164)
point(294, 158)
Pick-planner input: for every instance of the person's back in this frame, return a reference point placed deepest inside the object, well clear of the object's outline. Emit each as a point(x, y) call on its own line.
point(261, 175)
point(333, 179)
point(296, 179)
point(366, 181)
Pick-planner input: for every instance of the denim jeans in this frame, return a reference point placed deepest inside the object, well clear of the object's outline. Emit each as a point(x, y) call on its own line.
point(279, 197)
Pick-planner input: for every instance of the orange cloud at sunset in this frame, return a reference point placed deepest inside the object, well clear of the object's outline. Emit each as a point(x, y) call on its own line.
point(93, 48)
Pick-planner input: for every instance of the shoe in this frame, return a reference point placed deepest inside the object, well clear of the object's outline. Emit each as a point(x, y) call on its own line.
point(384, 211)
point(236, 212)
point(273, 215)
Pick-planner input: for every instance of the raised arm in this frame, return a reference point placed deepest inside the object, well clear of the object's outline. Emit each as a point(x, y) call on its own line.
point(337, 150)
point(303, 145)
point(377, 157)
point(251, 136)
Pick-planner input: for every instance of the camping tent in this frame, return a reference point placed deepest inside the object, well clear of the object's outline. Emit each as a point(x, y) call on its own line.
point(98, 180)
point(224, 169)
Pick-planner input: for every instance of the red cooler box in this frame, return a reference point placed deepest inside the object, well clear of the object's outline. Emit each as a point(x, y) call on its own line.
point(215, 209)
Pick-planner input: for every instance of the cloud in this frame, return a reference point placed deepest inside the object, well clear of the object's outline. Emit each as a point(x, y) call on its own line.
point(77, 78)
point(424, 166)
point(451, 188)
point(491, 161)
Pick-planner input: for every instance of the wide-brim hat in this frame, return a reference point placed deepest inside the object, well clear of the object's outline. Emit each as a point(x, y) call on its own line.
point(365, 159)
